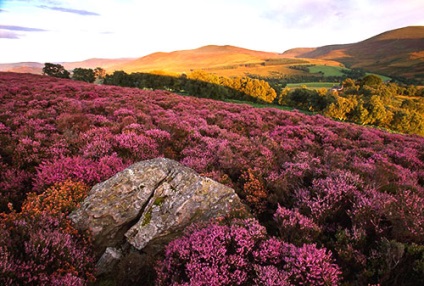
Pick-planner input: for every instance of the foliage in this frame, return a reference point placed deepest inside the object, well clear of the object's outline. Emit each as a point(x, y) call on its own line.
point(353, 190)
point(254, 191)
point(367, 101)
point(55, 70)
point(241, 254)
point(61, 198)
point(199, 83)
point(82, 74)
point(39, 245)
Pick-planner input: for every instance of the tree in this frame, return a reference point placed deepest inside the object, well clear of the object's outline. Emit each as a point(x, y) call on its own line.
point(372, 80)
point(55, 70)
point(82, 74)
point(99, 73)
point(378, 114)
point(341, 107)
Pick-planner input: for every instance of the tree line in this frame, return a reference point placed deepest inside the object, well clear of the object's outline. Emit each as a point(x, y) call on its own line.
point(364, 99)
point(200, 84)
point(80, 74)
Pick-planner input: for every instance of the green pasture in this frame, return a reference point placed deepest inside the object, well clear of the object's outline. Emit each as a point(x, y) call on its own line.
point(327, 70)
point(311, 85)
point(337, 71)
point(383, 77)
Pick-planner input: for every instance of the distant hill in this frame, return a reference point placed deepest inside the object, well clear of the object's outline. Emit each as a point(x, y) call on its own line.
point(223, 60)
point(394, 53)
point(24, 67)
point(94, 63)
point(398, 52)
point(36, 68)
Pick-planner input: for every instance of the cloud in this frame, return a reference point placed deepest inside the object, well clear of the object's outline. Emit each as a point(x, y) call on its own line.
point(67, 10)
point(8, 35)
point(20, 28)
point(307, 13)
point(8, 31)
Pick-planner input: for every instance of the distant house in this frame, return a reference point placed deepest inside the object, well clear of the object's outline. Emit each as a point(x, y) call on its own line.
point(336, 88)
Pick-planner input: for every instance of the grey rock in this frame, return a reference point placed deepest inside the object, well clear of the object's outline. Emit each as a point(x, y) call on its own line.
point(108, 260)
point(151, 201)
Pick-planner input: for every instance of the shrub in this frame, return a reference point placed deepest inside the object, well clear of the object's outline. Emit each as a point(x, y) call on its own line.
point(295, 227)
point(39, 245)
point(37, 250)
point(241, 254)
point(61, 198)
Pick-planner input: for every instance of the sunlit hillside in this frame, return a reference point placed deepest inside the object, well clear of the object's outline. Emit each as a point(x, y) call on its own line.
point(341, 199)
point(221, 60)
point(394, 53)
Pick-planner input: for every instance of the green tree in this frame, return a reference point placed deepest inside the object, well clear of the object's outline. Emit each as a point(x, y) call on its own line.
point(378, 114)
point(119, 78)
point(55, 70)
point(341, 107)
point(372, 80)
point(406, 121)
point(360, 114)
point(82, 74)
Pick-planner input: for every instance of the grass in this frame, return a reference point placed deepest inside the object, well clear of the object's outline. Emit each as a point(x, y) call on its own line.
point(311, 85)
point(383, 77)
point(327, 70)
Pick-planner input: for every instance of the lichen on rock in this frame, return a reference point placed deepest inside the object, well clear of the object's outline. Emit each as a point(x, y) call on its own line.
point(148, 202)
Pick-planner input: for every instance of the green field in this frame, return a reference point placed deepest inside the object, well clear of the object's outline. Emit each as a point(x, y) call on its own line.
point(311, 85)
point(327, 70)
point(337, 71)
point(383, 77)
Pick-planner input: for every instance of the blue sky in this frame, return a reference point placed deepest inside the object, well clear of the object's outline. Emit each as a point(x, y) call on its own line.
point(74, 30)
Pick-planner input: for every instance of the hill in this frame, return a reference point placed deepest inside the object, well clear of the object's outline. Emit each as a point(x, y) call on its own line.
point(356, 192)
point(36, 68)
point(222, 60)
point(394, 53)
point(93, 63)
point(24, 67)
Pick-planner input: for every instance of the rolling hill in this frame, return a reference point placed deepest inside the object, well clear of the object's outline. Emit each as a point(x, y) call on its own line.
point(24, 67)
point(223, 60)
point(36, 68)
point(394, 53)
point(398, 52)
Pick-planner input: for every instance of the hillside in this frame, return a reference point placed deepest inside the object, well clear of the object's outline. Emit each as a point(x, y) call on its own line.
point(36, 68)
point(355, 192)
point(398, 52)
point(222, 60)
point(24, 67)
point(93, 63)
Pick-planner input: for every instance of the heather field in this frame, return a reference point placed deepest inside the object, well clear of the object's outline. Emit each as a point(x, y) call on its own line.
point(333, 203)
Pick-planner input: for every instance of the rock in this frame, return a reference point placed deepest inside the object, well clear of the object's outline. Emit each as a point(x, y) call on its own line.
point(108, 261)
point(150, 201)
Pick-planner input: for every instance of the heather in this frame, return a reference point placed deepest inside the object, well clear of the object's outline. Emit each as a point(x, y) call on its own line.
point(349, 194)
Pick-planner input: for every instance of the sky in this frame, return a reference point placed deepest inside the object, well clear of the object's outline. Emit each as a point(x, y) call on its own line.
point(75, 30)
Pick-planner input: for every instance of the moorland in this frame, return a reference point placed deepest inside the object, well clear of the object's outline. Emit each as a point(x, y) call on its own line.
point(331, 202)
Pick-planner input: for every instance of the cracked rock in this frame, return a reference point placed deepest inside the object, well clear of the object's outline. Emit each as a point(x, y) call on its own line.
point(150, 201)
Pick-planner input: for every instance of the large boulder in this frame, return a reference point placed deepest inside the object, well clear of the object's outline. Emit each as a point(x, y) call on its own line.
point(150, 201)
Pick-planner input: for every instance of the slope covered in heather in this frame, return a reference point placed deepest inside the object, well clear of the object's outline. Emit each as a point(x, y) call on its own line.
point(357, 192)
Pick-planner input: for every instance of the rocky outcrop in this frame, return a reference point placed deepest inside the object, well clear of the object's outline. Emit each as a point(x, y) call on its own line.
point(150, 201)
